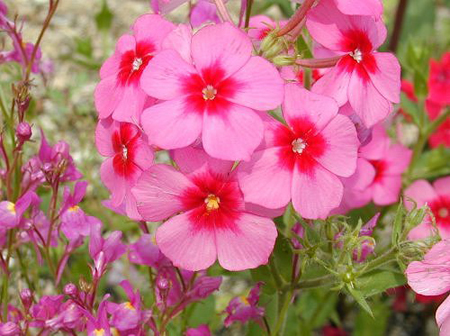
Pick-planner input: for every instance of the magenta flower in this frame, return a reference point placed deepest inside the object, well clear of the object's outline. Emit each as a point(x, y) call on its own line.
point(98, 325)
point(244, 309)
point(304, 160)
point(201, 330)
point(104, 251)
point(439, 80)
point(367, 246)
point(11, 213)
point(46, 309)
point(126, 315)
point(128, 155)
point(431, 277)
point(9, 329)
point(212, 89)
point(119, 92)
point(437, 197)
point(203, 11)
point(145, 252)
point(357, 7)
point(207, 216)
point(369, 80)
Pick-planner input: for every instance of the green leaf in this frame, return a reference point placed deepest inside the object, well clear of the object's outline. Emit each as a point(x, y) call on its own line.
point(412, 109)
point(379, 281)
point(283, 257)
point(262, 273)
point(84, 46)
point(359, 298)
point(104, 18)
point(433, 164)
point(365, 325)
point(397, 228)
point(203, 312)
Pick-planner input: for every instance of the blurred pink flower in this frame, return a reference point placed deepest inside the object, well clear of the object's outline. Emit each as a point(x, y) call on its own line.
point(212, 90)
point(439, 80)
point(244, 309)
point(303, 161)
point(201, 330)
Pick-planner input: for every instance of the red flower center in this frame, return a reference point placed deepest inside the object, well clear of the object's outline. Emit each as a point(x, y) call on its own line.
point(380, 169)
point(124, 142)
point(133, 62)
point(215, 201)
point(300, 145)
point(441, 210)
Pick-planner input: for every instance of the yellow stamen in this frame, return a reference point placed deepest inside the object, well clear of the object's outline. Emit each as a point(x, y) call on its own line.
point(128, 306)
point(209, 92)
point(99, 332)
point(212, 202)
point(74, 208)
point(11, 207)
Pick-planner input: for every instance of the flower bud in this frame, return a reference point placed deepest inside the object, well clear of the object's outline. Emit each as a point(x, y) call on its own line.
point(9, 329)
point(70, 289)
point(283, 60)
point(26, 296)
point(163, 283)
point(272, 45)
point(23, 132)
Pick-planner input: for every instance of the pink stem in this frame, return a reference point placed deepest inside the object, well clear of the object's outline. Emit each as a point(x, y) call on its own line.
point(297, 18)
point(223, 12)
point(314, 63)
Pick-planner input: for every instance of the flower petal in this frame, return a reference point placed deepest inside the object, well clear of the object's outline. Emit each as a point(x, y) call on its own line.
point(152, 28)
point(107, 96)
point(421, 192)
point(386, 77)
point(115, 184)
point(334, 84)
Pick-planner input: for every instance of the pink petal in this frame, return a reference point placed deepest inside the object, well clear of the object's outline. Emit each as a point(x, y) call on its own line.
point(249, 245)
point(387, 190)
point(260, 86)
point(264, 181)
point(443, 317)
point(187, 247)
point(180, 40)
point(422, 231)
point(367, 101)
point(301, 103)
point(143, 155)
point(126, 42)
point(232, 134)
point(386, 77)
point(442, 186)
point(259, 210)
point(163, 76)
point(377, 148)
point(342, 145)
point(115, 184)
point(152, 28)
point(358, 7)
point(158, 192)
point(363, 176)
point(334, 83)
point(131, 206)
point(103, 134)
point(130, 106)
point(421, 192)
point(316, 193)
point(221, 44)
point(171, 125)
point(107, 96)
point(111, 66)
point(397, 158)
point(190, 159)
point(428, 280)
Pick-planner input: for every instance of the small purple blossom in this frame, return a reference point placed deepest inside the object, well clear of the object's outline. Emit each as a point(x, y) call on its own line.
point(244, 309)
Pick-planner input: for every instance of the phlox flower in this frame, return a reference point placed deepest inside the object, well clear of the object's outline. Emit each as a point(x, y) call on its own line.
point(128, 155)
point(357, 7)
point(211, 87)
point(119, 92)
point(439, 80)
point(207, 215)
point(431, 276)
point(368, 79)
point(303, 160)
point(244, 309)
point(437, 197)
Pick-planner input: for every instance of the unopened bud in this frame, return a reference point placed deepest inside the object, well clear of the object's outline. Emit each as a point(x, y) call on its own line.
point(163, 283)
point(26, 296)
point(283, 60)
point(71, 289)
point(23, 131)
point(272, 45)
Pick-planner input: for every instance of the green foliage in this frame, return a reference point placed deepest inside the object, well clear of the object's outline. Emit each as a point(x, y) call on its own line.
point(104, 18)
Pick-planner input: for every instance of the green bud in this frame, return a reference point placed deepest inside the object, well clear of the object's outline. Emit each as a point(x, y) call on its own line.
point(272, 45)
point(283, 60)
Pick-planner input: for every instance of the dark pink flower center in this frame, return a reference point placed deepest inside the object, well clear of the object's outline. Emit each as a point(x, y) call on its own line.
point(441, 210)
point(300, 145)
point(124, 142)
point(209, 91)
point(380, 169)
point(133, 62)
point(215, 201)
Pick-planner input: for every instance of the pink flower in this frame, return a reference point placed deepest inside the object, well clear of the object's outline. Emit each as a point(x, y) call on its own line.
point(431, 276)
point(244, 309)
point(358, 7)
point(128, 156)
point(304, 160)
point(208, 218)
point(165, 6)
point(98, 325)
point(203, 11)
point(119, 92)
point(211, 89)
point(201, 330)
point(259, 27)
point(442, 135)
point(11, 214)
point(127, 315)
point(439, 80)
point(437, 197)
point(369, 80)
point(145, 252)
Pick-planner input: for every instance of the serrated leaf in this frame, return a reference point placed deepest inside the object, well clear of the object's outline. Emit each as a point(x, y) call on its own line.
point(104, 18)
point(359, 298)
point(379, 281)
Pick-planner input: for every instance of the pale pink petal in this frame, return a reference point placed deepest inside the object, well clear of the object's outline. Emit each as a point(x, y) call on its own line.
point(342, 145)
point(442, 186)
point(327, 25)
point(386, 77)
point(398, 158)
point(377, 148)
point(107, 96)
point(115, 184)
point(130, 106)
point(363, 176)
point(158, 192)
point(223, 45)
point(131, 206)
point(387, 190)
point(152, 28)
point(301, 103)
point(264, 212)
point(143, 155)
point(316, 193)
point(125, 43)
point(103, 137)
point(171, 125)
point(186, 246)
point(443, 317)
point(111, 66)
point(367, 101)
point(260, 86)
point(358, 7)
point(334, 83)
point(180, 40)
point(264, 180)
point(164, 74)
point(422, 231)
point(232, 134)
point(248, 245)
point(421, 192)
point(190, 159)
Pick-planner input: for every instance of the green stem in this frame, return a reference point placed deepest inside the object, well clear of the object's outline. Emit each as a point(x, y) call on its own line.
point(248, 13)
point(386, 258)
point(24, 270)
point(276, 276)
point(283, 313)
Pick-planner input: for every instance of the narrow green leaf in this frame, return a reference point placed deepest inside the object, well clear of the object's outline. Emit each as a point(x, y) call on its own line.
point(379, 281)
point(359, 298)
